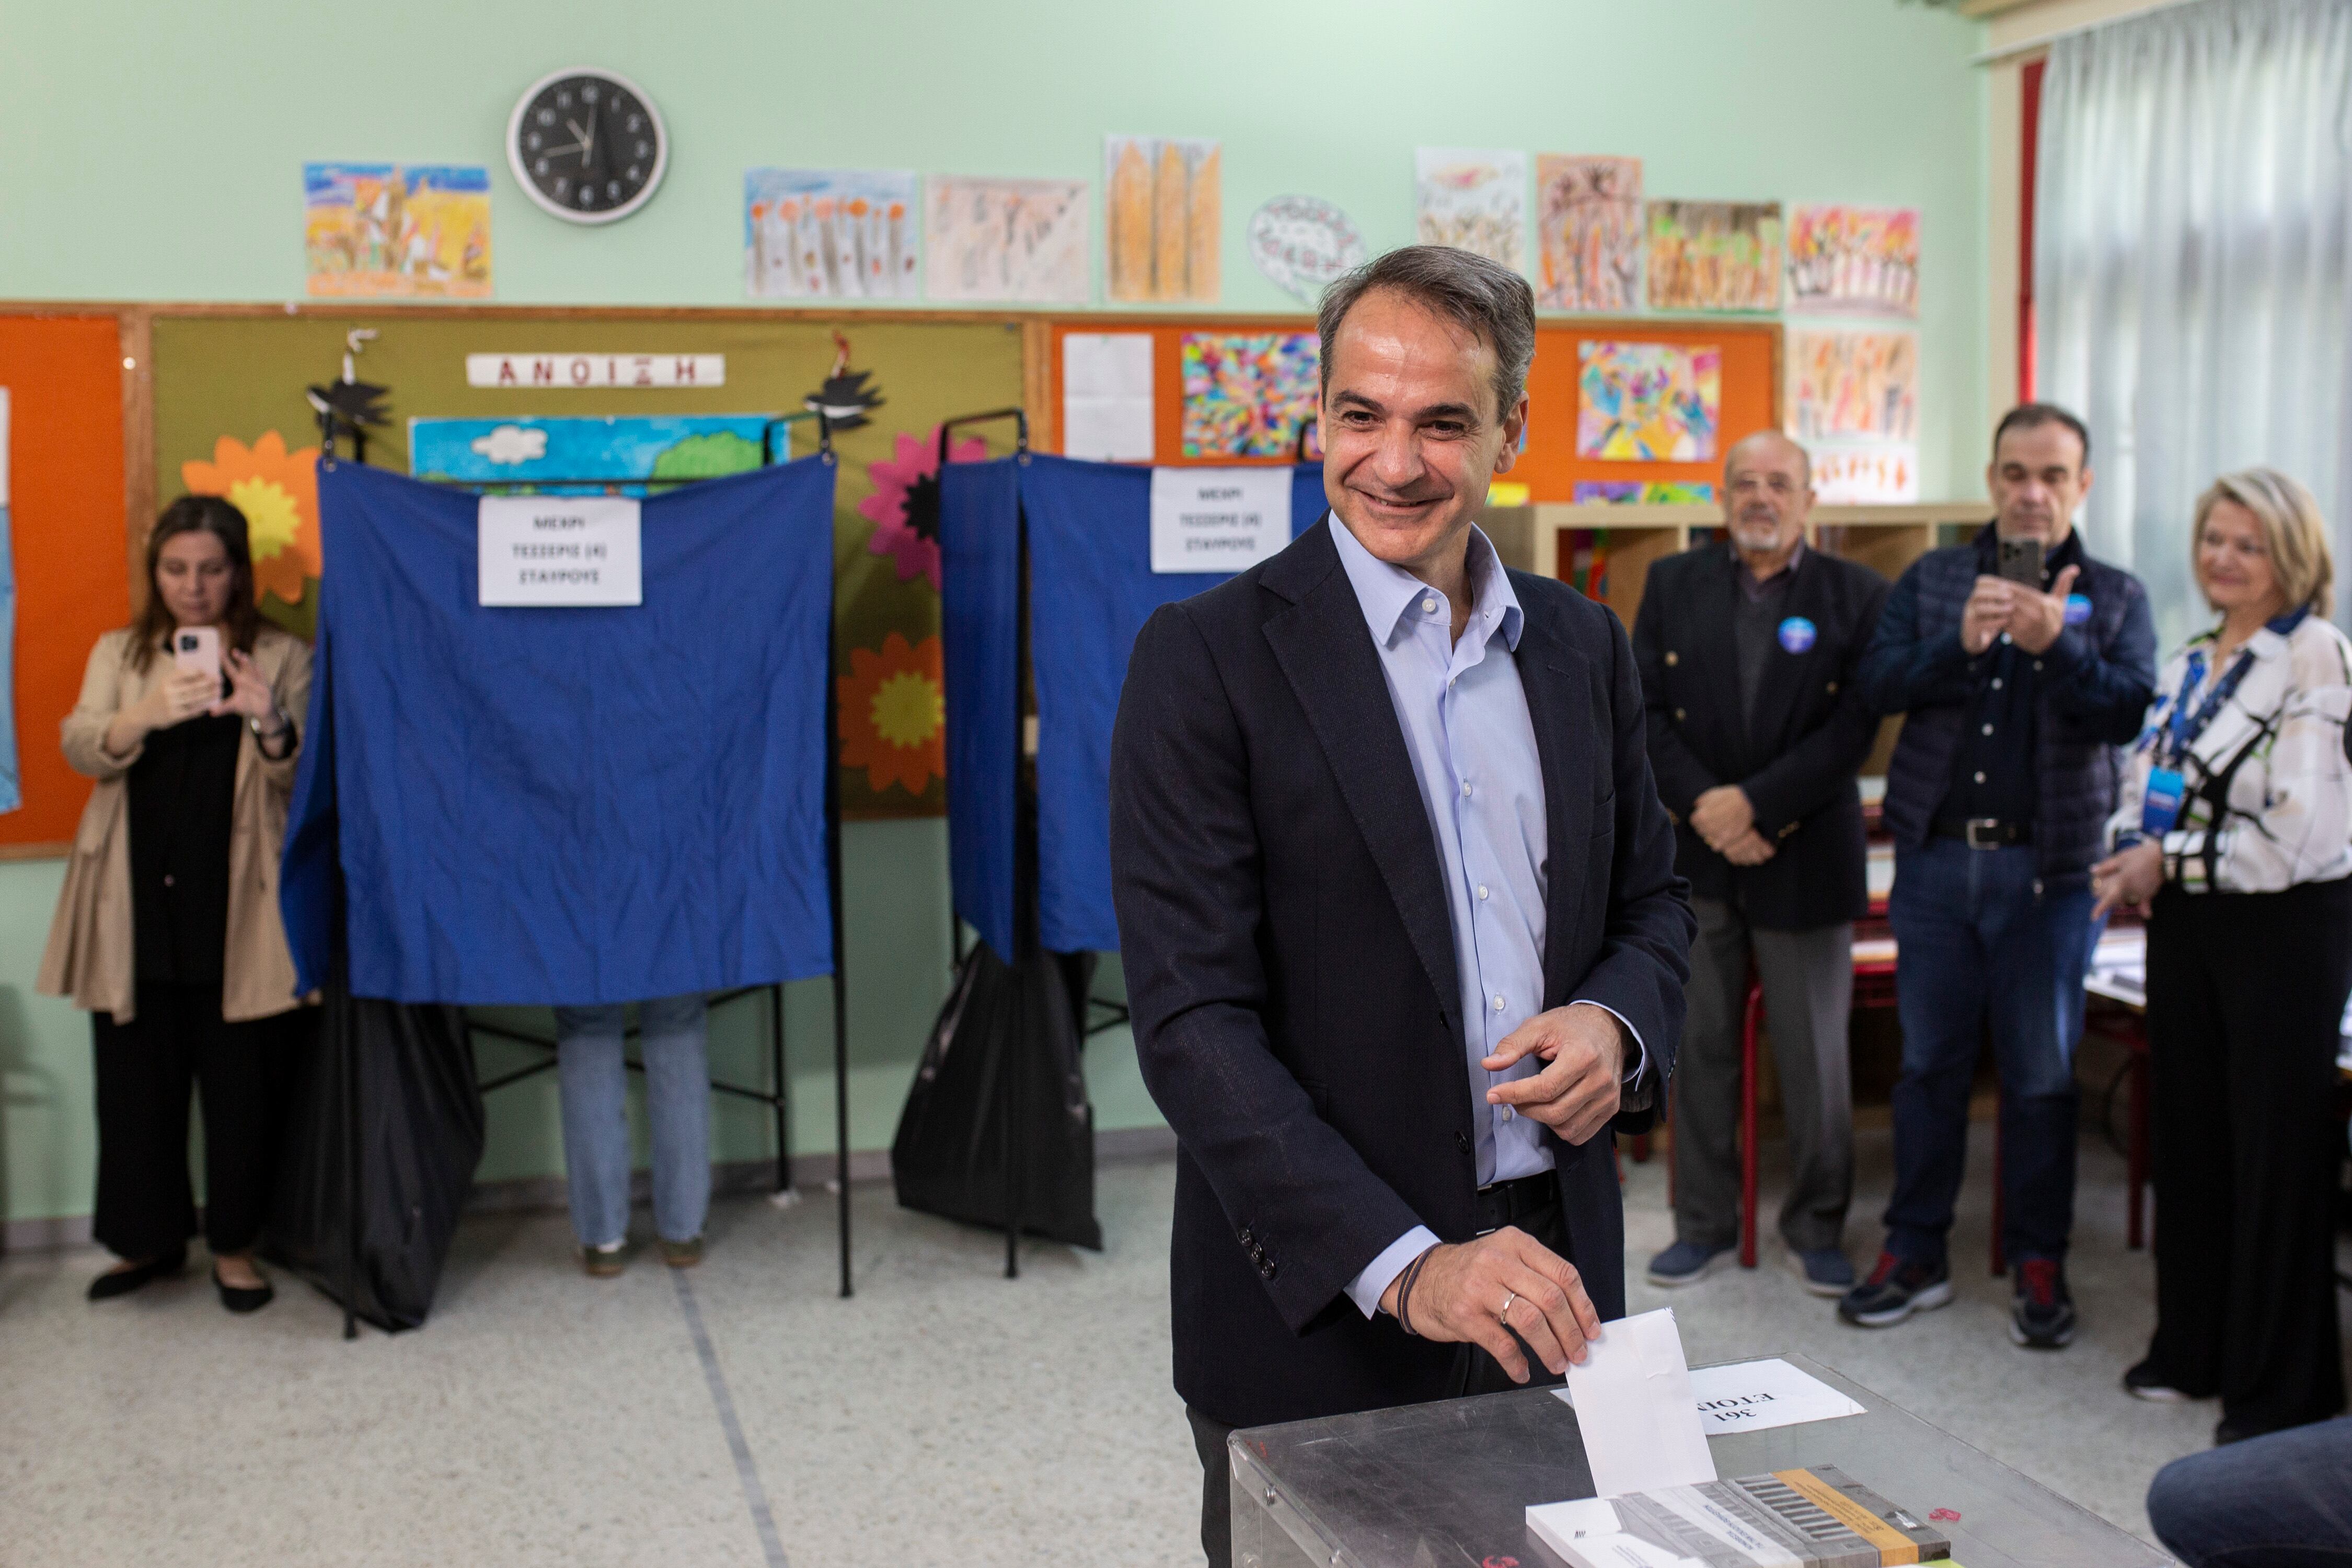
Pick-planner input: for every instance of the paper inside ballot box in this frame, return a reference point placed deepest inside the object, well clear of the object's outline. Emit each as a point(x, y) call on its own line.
point(1814, 1517)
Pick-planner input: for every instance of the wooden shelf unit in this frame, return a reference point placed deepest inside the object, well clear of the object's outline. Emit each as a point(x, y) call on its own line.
point(1539, 538)
point(1886, 537)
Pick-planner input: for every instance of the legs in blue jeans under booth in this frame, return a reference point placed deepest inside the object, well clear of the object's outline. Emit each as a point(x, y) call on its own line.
point(1982, 945)
point(593, 1078)
point(2280, 1502)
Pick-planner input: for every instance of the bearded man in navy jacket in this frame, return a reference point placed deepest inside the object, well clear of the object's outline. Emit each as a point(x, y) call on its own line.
point(1397, 908)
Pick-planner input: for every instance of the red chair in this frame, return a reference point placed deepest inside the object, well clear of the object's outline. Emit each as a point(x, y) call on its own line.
point(1873, 987)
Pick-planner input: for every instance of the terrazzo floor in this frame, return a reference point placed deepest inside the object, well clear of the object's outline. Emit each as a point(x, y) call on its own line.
point(944, 1416)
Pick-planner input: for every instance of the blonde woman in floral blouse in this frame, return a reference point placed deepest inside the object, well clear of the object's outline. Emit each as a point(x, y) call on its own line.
point(2234, 837)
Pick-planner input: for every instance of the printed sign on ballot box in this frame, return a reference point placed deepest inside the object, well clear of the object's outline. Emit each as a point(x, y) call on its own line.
point(1218, 520)
point(559, 551)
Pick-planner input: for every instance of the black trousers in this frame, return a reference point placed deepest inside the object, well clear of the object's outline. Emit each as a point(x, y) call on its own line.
point(145, 1068)
point(2245, 994)
point(1475, 1372)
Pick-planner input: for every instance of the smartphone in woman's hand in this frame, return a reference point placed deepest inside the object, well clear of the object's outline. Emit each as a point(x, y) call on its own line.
point(198, 651)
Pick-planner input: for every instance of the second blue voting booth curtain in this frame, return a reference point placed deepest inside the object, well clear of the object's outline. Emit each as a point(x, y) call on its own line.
point(576, 805)
point(1091, 589)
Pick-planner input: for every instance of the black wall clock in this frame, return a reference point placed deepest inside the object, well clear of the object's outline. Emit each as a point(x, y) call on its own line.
point(587, 145)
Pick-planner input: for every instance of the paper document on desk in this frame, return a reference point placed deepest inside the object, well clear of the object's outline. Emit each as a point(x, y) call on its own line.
point(1635, 1406)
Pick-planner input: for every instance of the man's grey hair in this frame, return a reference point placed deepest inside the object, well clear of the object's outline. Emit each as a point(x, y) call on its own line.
point(1487, 298)
point(1765, 436)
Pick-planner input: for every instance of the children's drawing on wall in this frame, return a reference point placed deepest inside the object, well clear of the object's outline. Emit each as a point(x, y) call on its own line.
point(537, 453)
point(1715, 256)
point(1304, 244)
point(1010, 241)
point(1854, 387)
point(1249, 395)
point(830, 234)
point(1648, 402)
point(396, 230)
point(1162, 235)
point(1473, 199)
point(1589, 212)
point(1849, 260)
point(1859, 476)
point(1644, 492)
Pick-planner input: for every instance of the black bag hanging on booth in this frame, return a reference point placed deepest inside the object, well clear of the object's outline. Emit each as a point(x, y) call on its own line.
point(365, 1211)
point(997, 1130)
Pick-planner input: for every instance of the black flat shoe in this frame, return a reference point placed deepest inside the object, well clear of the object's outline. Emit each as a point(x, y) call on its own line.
point(243, 1297)
point(122, 1281)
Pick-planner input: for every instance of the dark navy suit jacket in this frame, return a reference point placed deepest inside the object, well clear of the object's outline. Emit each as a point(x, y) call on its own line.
point(1290, 967)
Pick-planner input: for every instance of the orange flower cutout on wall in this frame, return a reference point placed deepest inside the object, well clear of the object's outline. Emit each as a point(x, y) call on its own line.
point(893, 714)
point(278, 490)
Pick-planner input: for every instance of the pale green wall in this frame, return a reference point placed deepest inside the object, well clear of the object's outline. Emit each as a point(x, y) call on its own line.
point(153, 152)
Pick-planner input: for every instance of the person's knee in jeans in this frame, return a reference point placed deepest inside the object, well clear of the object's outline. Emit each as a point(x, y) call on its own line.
point(2285, 1499)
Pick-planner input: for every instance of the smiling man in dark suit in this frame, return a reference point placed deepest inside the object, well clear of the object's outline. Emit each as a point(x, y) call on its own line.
point(1750, 652)
point(1397, 908)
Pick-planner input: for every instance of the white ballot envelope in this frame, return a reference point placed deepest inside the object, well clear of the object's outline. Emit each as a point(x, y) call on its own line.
point(1750, 1396)
point(1635, 1405)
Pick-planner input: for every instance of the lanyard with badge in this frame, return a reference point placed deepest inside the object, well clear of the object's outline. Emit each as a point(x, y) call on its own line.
point(2160, 805)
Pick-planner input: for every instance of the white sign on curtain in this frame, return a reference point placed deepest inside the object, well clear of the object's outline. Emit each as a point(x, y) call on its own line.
point(1218, 520)
point(559, 551)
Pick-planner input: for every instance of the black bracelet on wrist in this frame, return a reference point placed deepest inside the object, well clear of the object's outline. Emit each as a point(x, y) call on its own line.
point(1404, 1291)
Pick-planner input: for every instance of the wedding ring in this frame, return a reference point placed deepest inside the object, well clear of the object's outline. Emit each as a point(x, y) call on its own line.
point(1509, 1297)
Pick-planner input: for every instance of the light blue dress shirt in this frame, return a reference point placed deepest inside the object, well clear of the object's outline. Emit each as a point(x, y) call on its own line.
point(1465, 718)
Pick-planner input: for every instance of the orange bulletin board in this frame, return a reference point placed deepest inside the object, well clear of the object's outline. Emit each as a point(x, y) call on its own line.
point(1167, 335)
point(1550, 468)
point(65, 380)
point(1752, 399)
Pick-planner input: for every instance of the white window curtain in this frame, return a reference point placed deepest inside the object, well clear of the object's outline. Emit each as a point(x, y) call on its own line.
point(2192, 226)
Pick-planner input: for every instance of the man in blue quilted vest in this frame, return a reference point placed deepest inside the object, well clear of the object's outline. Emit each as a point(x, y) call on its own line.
point(2015, 690)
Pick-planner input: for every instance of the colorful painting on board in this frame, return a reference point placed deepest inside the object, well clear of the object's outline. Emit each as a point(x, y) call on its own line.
point(1854, 387)
point(1304, 244)
point(1588, 229)
point(397, 230)
point(905, 506)
point(1859, 476)
point(893, 706)
point(1585, 555)
point(1861, 261)
point(1641, 492)
point(1014, 241)
point(1475, 200)
point(541, 454)
point(1715, 256)
point(830, 234)
point(1248, 394)
point(1648, 403)
point(1160, 220)
point(12, 783)
point(277, 491)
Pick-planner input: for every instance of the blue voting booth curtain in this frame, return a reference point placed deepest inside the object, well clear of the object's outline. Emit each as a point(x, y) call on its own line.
point(980, 578)
point(576, 805)
point(1092, 588)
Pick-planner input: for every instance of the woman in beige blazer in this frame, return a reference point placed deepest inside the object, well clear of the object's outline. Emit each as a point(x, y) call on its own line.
point(167, 929)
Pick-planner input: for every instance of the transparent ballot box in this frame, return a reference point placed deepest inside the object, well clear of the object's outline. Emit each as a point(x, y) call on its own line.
point(1448, 1484)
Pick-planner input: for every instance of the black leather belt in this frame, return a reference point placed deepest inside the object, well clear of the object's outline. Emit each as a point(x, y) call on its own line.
point(1982, 832)
point(1506, 1203)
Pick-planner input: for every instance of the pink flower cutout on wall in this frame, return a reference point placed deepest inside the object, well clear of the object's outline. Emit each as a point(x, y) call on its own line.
point(905, 505)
